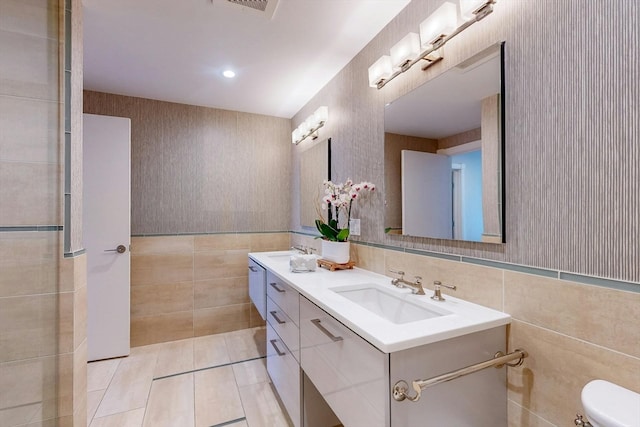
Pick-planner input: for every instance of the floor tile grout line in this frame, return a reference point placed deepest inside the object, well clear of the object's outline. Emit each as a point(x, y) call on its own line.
point(209, 367)
point(235, 379)
point(226, 423)
point(105, 392)
point(146, 403)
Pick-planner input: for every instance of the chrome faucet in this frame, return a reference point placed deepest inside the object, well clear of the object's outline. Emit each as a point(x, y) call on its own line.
point(401, 282)
point(437, 293)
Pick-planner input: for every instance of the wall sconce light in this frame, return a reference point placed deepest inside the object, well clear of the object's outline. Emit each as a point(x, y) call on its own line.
point(440, 27)
point(309, 128)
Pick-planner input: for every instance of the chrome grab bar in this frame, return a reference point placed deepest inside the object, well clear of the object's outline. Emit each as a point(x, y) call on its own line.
point(400, 389)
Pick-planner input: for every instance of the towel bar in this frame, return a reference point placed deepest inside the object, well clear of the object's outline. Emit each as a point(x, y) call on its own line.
point(499, 360)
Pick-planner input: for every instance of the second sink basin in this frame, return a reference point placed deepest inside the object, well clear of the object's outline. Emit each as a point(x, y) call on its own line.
point(392, 306)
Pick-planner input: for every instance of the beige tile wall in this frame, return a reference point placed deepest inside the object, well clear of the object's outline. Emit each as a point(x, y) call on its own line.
point(573, 332)
point(42, 296)
point(184, 286)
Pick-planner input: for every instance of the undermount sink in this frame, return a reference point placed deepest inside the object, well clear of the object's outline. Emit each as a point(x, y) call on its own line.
point(392, 306)
point(282, 256)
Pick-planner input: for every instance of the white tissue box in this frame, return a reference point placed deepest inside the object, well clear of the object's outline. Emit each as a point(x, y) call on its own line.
point(303, 263)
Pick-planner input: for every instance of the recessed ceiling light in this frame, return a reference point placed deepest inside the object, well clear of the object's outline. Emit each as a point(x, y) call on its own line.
point(229, 74)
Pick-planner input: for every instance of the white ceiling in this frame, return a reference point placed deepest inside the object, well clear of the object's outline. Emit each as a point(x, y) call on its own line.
point(176, 50)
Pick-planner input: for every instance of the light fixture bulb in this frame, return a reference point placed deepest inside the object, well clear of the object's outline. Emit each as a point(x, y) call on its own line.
point(380, 70)
point(321, 115)
point(295, 136)
point(229, 74)
point(468, 8)
point(405, 50)
point(442, 22)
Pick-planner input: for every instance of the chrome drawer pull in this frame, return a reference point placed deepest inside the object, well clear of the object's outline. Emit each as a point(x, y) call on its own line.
point(273, 313)
point(274, 285)
point(323, 329)
point(253, 269)
point(273, 343)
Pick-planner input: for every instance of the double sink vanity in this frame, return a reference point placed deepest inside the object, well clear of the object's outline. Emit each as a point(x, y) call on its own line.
point(338, 342)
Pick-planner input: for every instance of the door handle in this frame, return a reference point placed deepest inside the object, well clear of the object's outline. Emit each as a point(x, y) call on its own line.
point(253, 269)
point(120, 249)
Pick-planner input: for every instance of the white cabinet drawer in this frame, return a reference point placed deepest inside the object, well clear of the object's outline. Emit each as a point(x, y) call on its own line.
point(284, 371)
point(284, 296)
point(284, 327)
point(350, 373)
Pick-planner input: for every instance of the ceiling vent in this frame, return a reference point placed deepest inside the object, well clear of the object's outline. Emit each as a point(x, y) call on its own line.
point(260, 5)
point(266, 8)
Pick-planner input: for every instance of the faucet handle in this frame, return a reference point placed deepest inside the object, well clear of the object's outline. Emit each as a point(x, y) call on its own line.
point(437, 293)
point(418, 279)
point(438, 283)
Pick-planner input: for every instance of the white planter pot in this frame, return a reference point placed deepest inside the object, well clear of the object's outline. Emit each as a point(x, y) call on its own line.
point(336, 251)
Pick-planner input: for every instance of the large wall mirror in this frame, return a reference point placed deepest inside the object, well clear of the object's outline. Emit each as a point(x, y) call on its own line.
point(315, 167)
point(444, 154)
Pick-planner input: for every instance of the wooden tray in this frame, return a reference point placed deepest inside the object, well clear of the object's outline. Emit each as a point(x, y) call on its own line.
point(333, 266)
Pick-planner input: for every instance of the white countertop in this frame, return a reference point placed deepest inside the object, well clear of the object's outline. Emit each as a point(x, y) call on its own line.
point(464, 317)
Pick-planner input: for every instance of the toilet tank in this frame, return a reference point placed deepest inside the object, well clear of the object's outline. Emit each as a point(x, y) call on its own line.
point(609, 405)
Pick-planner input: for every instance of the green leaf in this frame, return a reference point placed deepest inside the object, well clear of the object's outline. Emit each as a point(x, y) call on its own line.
point(328, 232)
point(343, 235)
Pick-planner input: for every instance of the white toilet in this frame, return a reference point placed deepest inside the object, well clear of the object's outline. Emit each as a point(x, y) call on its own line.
point(609, 405)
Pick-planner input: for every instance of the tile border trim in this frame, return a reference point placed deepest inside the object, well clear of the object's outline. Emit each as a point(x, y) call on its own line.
point(75, 253)
point(207, 234)
point(19, 228)
point(600, 281)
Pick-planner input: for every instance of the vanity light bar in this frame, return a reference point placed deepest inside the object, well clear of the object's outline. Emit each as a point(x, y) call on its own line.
point(309, 128)
point(435, 31)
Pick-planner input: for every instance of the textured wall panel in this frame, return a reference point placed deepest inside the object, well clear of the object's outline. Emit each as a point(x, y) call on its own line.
point(202, 170)
point(572, 131)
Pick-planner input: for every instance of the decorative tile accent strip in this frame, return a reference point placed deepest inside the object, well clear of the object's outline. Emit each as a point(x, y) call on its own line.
point(31, 228)
point(379, 246)
point(434, 254)
point(209, 234)
point(75, 254)
point(598, 281)
point(513, 267)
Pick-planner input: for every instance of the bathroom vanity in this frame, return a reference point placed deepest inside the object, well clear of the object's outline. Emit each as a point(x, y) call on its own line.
point(349, 336)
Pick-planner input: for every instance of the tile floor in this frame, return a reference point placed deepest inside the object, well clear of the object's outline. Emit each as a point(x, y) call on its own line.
point(215, 380)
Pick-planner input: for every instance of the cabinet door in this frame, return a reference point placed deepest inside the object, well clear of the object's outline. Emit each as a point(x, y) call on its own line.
point(284, 295)
point(257, 287)
point(350, 374)
point(284, 371)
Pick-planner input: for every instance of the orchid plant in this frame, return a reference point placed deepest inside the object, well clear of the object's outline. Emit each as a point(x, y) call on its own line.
point(339, 198)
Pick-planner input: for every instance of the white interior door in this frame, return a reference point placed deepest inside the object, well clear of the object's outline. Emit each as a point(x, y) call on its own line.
point(426, 195)
point(106, 231)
